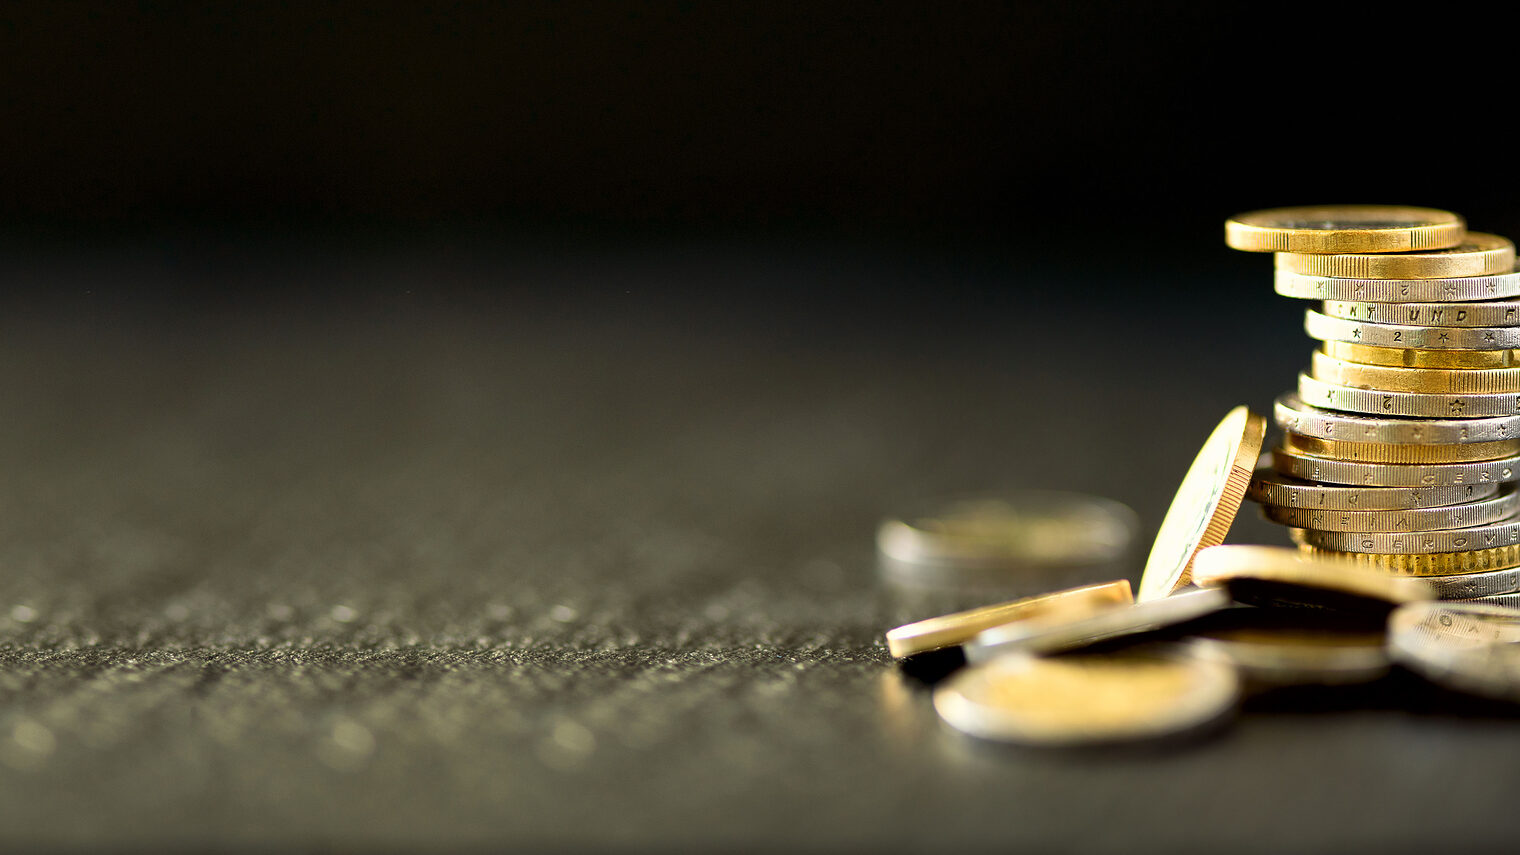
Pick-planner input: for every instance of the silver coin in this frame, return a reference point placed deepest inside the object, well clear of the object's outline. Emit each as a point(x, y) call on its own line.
point(1465, 586)
point(1481, 512)
point(1272, 488)
point(1489, 536)
point(1498, 313)
point(1295, 646)
point(1509, 601)
point(1412, 404)
point(1495, 287)
point(1292, 414)
point(1052, 634)
point(1326, 328)
point(1473, 647)
point(1017, 530)
point(1503, 470)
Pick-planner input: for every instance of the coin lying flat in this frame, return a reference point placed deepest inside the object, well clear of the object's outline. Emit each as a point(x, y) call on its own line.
point(1057, 632)
point(1466, 646)
point(1478, 255)
point(1383, 452)
point(1425, 381)
point(1206, 503)
point(1276, 490)
point(1333, 396)
point(1288, 462)
point(950, 630)
point(1273, 575)
point(1325, 328)
point(1499, 313)
point(1419, 563)
point(1039, 528)
point(1295, 647)
point(1397, 357)
point(1490, 536)
point(1467, 288)
point(1481, 512)
point(1292, 414)
point(1077, 700)
point(1344, 228)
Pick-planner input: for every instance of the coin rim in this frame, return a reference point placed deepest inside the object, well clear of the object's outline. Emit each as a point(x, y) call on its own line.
point(1441, 230)
point(937, 633)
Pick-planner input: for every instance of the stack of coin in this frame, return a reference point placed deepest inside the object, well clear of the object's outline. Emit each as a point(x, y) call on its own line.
point(1402, 443)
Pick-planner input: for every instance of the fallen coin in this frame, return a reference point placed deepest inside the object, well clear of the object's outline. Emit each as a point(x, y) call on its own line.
point(1087, 699)
point(1276, 575)
point(1058, 632)
point(1471, 647)
point(1294, 647)
point(950, 630)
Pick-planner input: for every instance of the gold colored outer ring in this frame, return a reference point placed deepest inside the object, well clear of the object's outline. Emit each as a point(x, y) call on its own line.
point(1344, 228)
point(1377, 452)
point(1219, 564)
point(952, 629)
point(1367, 354)
point(1464, 381)
point(1433, 564)
point(1479, 255)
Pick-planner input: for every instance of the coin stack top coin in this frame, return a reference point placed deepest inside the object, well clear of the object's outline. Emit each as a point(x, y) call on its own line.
point(1401, 442)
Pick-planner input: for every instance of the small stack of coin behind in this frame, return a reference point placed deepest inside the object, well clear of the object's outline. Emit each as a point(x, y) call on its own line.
point(1402, 443)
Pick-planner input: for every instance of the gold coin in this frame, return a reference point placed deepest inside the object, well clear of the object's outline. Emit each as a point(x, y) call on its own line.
point(1344, 228)
point(1206, 503)
point(1478, 255)
point(1463, 381)
point(1377, 452)
point(1366, 354)
point(1269, 573)
point(1414, 564)
point(1084, 699)
point(951, 630)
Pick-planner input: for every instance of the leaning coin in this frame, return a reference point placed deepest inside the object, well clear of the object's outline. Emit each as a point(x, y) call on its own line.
point(1478, 255)
point(1344, 228)
point(1481, 512)
point(1498, 313)
point(1355, 451)
point(1298, 465)
point(1333, 396)
point(1078, 700)
point(1465, 646)
point(950, 630)
point(1490, 536)
point(1276, 490)
point(1292, 414)
point(1056, 633)
point(1435, 564)
point(1403, 357)
point(1467, 288)
point(1325, 328)
point(1206, 503)
point(1425, 381)
point(1296, 647)
point(1277, 575)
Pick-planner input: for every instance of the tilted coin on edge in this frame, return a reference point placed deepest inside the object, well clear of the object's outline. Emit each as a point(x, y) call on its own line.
point(949, 630)
point(1206, 503)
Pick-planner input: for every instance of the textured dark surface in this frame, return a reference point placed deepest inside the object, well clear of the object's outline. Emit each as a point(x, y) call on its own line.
point(520, 548)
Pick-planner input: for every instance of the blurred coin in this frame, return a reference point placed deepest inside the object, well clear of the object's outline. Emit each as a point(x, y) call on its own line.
point(1344, 228)
point(1392, 474)
point(1206, 503)
point(1467, 288)
point(1276, 575)
point(1418, 563)
point(1382, 452)
point(1508, 601)
point(1078, 700)
point(1292, 414)
point(1057, 632)
point(1479, 254)
point(1427, 381)
point(1498, 313)
point(1325, 328)
point(1404, 357)
point(1490, 536)
point(1334, 396)
point(950, 630)
point(1466, 646)
point(1294, 647)
point(1481, 512)
point(1272, 488)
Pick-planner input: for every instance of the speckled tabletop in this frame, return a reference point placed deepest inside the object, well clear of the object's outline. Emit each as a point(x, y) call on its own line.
point(406, 548)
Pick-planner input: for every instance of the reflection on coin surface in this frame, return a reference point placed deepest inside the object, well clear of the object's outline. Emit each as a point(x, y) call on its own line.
point(950, 630)
point(1344, 228)
point(1478, 255)
point(1284, 647)
point(1019, 529)
point(1076, 700)
point(1467, 646)
point(1272, 575)
point(1059, 631)
point(1206, 503)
